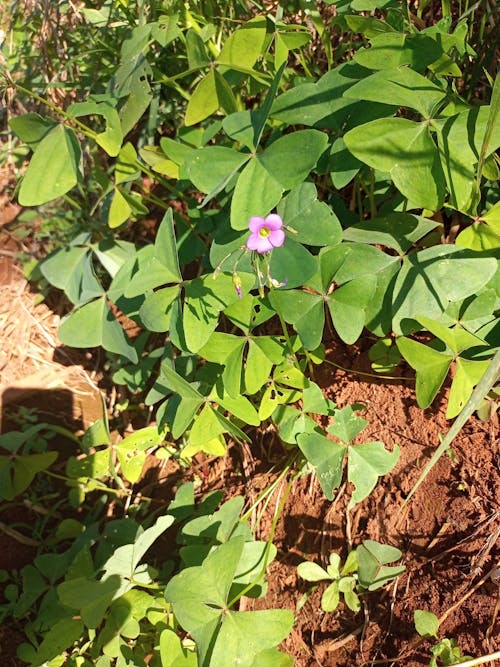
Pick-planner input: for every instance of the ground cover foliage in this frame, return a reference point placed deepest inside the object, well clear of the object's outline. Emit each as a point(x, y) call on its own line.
point(310, 171)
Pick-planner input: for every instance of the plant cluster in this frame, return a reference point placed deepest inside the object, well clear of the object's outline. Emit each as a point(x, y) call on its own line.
point(299, 201)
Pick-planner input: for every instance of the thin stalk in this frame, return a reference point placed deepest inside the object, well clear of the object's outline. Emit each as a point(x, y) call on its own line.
point(276, 517)
point(84, 129)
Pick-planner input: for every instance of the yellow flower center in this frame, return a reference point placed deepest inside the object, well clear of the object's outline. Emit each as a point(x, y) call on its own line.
point(264, 232)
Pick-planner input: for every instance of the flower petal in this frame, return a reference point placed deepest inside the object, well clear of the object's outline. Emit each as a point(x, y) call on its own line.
point(255, 223)
point(276, 238)
point(256, 242)
point(274, 221)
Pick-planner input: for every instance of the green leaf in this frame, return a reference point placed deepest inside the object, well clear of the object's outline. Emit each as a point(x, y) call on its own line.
point(467, 374)
point(206, 427)
point(91, 598)
point(205, 298)
point(402, 86)
point(204, 101)
point(331, 597)
point(131, 451)
point(18, 471)
point(326, 457)
point(212, 167)
point(244, 45)
point(257, 369)
point(372, 558)
point(158, 264)
point(347, 424)
point(394, 230)
point(347, 586)
point(256, 192)
point(305, 311)
point(290, 158)
point(92, 325)
point(429, 279)
point(459, 140)
point(119, 209)
point(366, 464)
point(457, 338)
point(58, 639)
point(343, 166)
point(165, 245)
point(431, 367)
point(426, 624)
point(314, 221)
point(172, 653)
point(53, 169)
point(31, 127)
point(112, 137)
point(393, 49)
point(406, 150)
point(244, 635)
point(312, 571)
point(384, 356)
point(156, 310)
point(292, 264)
point(347, 305)
point(323, 103)
point(195, 50)
point(125, 559)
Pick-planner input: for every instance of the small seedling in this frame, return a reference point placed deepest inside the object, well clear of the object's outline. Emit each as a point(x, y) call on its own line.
point(364, 569)
point(445, 651)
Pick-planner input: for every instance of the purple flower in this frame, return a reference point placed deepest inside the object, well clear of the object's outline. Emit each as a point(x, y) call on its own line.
point(266, 233)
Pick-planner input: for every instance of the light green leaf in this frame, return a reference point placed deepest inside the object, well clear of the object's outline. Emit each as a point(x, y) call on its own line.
point(314, 221)
point(431, 367)
point(119, 209)
point(205, 298)
point(156, 310)
point(204, 101)
point(172, 653)
point(312, 571)
point(53, 169)
point(347, 305)
point(402, 86)
point(406, 150)
point(212, 167)
point(58, 639)
point(331, 597)
point(367, 462)
point(112, 137)
point(245, 634)
point(326, 457)
point(467, 374)
point(290, 158)
point(244, 45)
point(206, 427)
point(92, 325)
point(347, 424)
point(426, 624)
point(256, 192)
point(478, 236)
point(372, 558)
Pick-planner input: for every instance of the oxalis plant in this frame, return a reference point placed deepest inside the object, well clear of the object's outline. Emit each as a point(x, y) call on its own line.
point(307, 208)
